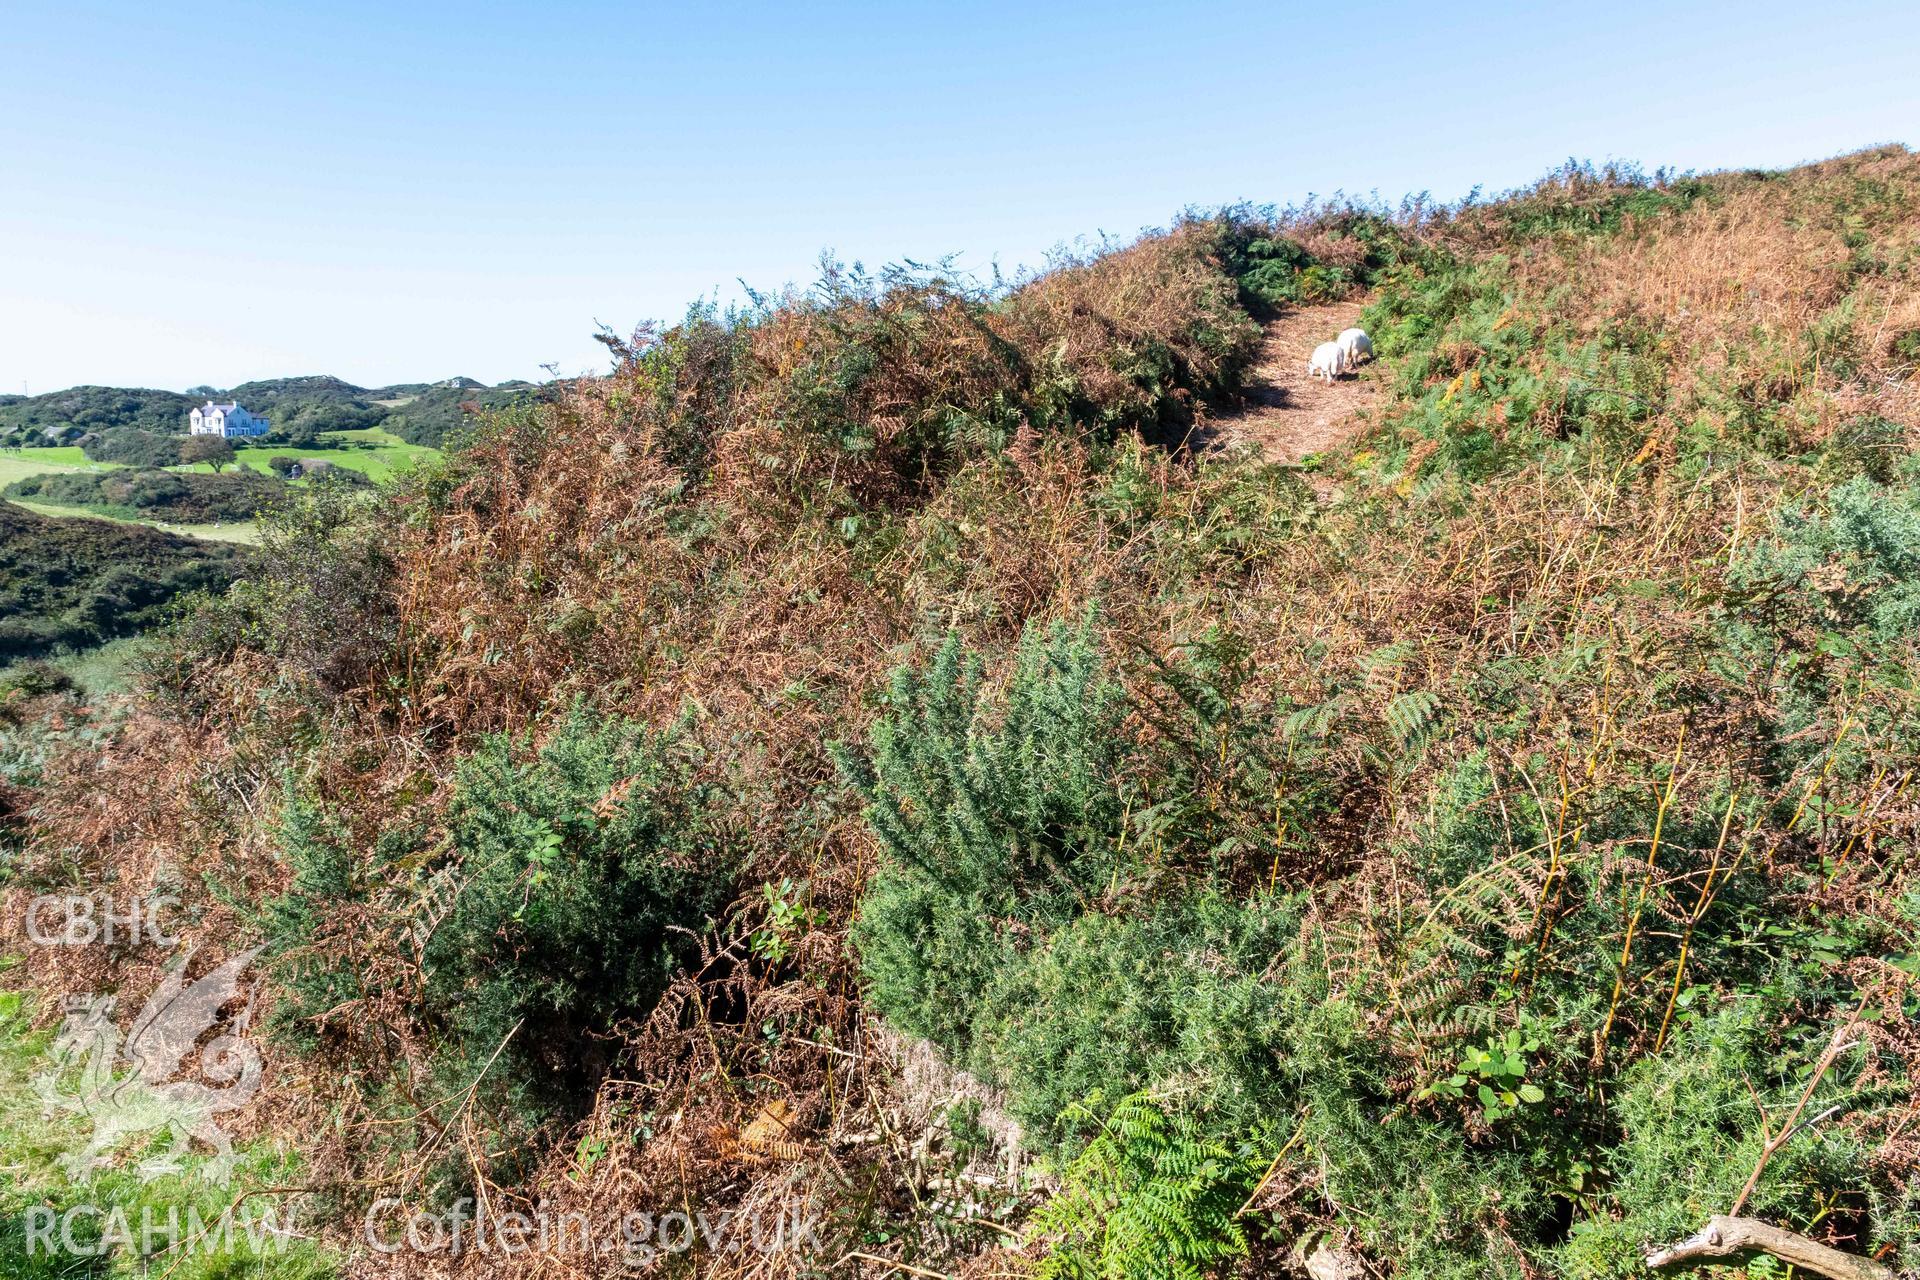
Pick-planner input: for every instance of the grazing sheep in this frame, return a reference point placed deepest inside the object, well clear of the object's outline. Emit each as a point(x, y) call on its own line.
point(1355, 343)
point(1328, 362)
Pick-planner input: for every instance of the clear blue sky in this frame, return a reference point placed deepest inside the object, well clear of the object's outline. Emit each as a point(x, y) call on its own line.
point(410, 189)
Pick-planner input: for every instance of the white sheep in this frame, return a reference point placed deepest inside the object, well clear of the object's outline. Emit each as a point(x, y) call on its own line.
point(1329, 361)
point(1355, 343)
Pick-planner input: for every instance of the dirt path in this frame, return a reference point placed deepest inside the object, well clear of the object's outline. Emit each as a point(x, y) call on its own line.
point(1288, 415)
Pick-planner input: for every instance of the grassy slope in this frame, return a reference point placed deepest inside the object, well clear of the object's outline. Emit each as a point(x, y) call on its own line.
point(245, 534)
point(20, 464)
point(101, 672)
point(40, 461)
point(65, 455)
point(30, 1177)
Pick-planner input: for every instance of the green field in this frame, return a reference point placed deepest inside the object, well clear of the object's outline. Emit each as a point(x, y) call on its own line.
point(18, 464)
point(374, 435)
point(22, 463)
point(374, 453)
point(232, 531)
point(97, 672)
point(65, 455)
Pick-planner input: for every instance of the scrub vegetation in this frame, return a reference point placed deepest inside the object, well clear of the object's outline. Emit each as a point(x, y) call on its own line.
point(864, 757)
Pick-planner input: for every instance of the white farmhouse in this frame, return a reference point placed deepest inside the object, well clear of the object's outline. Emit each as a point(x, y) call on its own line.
point(212, 419)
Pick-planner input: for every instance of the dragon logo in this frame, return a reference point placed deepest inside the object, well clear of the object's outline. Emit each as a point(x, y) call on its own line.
point(128, 1090)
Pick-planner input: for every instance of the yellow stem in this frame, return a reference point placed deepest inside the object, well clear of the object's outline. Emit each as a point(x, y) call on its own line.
point(1646, 885)
point(1699, 909)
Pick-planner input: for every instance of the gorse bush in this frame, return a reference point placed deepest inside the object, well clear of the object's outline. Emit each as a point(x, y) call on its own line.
point(1830, 608)
point(1014, 819)
point(1167, 995)
point(1021, 812)
point(1008, 924)
point(574, 880)
point(583, 879)
point(1859, 559)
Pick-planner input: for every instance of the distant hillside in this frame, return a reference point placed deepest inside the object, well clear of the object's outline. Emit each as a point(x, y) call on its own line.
point(302, 408)
point(95, 409)
point(426, 416)
point(72, 584)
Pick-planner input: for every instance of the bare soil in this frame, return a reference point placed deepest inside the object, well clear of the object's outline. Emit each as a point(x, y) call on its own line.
point(1288, 415)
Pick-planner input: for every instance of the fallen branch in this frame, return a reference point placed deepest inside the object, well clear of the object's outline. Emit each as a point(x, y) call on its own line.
point(1725, 1237)
point(897, 1266)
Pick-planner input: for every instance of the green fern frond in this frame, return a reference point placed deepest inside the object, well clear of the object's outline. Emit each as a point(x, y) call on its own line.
point(1410, 716)
point(1151, 1198)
